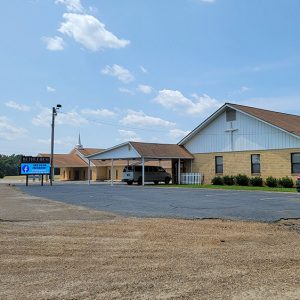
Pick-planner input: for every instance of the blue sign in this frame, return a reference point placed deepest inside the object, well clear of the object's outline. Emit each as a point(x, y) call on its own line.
point(35, 169)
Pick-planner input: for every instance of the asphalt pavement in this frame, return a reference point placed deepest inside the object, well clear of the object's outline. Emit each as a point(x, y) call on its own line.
point(150, 201)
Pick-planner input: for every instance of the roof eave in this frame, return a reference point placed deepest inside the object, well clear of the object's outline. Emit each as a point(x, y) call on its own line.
point(259, 119)
point(203, 124)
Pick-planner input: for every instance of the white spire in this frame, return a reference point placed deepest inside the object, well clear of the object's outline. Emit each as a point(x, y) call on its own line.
point(79, 145)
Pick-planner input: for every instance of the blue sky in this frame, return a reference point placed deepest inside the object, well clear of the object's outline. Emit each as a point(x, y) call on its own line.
point(144, 70)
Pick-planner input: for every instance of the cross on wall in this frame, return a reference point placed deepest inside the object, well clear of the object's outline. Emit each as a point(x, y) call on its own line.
point(231, 130)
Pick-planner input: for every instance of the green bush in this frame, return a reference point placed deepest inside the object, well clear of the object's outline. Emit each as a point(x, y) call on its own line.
point(228, 180)
point(242, 179)
point(218, 180)
point(271, 182)
point(256, 181)
point(286, 182)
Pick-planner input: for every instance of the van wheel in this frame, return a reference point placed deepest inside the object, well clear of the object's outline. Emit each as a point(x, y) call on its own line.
point(129, 182)
point(155, 181)
point(140, 181)
point(167, 180)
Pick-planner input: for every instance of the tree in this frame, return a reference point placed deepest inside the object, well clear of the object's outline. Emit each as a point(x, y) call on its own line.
point(9, 165)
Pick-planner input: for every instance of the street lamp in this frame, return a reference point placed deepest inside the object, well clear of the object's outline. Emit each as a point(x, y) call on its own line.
point(54, 114)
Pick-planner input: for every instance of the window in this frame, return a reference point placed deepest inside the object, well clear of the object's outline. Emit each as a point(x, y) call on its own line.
point(255, 163)
point(295, 160)
point(230, 115)
point(160, 169)
point(117, 174)
point(219, 164)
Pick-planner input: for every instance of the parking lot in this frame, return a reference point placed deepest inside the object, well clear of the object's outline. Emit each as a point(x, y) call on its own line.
point(171, 202)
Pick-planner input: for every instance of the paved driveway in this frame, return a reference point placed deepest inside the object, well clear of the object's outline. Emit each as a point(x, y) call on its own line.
point(174, 202)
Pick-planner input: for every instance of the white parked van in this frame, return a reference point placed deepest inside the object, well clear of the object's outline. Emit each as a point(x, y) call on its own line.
point(152, 174)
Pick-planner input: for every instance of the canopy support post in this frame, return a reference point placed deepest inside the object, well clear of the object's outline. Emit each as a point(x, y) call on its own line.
point(143, 171)
point(112, 173)
point(179, 171)
point(89, 173)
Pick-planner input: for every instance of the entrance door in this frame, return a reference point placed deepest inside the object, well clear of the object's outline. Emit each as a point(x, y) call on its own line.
point(77, 175)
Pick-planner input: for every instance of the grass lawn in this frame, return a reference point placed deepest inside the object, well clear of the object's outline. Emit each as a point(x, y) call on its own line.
point(23, 178)
point(234, 187)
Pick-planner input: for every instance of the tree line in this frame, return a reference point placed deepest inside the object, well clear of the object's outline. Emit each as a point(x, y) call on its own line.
point(9, 164)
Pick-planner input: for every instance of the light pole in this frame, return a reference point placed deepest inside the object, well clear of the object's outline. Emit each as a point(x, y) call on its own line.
point(54, 114)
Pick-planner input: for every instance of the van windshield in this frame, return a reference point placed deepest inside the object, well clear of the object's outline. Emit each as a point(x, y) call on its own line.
point(127, 169)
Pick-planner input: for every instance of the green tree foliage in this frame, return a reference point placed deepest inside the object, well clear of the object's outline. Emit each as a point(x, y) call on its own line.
point(9, 165)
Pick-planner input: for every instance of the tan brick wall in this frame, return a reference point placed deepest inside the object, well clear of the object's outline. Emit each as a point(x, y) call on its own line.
point(99, 173)
point(69, 173)
point(276, 163)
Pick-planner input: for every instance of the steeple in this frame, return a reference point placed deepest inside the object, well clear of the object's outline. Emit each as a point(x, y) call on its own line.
point(79, 145)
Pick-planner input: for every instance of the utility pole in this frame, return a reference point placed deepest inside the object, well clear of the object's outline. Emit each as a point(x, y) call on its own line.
point(54, 114)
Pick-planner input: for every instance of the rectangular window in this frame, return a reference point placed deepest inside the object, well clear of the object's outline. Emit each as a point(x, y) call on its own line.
point(230, 115)
point(295, 160)
point(219, 164)
point(255, 163)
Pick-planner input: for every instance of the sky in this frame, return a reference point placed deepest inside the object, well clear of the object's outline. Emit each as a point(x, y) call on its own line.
point(142, 70)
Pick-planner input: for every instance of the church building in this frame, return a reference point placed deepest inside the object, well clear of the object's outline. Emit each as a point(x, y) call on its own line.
point(239, 139)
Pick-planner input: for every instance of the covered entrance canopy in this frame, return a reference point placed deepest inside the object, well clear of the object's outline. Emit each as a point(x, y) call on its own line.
point(146, 151)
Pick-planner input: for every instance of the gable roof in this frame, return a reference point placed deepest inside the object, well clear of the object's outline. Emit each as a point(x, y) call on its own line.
point(285, 122)
point(66, 160)
point(137, 150)
point(86, 151)
point(161, 150)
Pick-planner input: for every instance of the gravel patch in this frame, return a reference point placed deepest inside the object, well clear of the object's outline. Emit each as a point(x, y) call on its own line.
point(50, 250)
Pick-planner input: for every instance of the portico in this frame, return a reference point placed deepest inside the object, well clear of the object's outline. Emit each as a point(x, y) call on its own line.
point(145, 152)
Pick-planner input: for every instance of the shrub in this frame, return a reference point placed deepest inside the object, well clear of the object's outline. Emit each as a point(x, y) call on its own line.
point(228, 180)
point(271, 182)
point(256, 181)
point(286, 182)
point(218, 180)
point(242, 179)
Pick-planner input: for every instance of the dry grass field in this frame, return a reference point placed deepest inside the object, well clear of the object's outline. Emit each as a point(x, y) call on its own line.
point(50, 250)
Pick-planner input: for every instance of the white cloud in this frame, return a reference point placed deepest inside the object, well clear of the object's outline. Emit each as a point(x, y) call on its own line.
point(90, 32)
point(67, 141)
point(54, 43)
point(139, 118)
point(207, 1)
point(240, 91)
point(14, 105)
point(176, 101)
point(244, 89)
point(50, 89)
point(118, 71)
point(146, 89)
point(178, 133)
point(71, 5)
point(98, 112)
point(128, 135)
point(71, 118)
point(143, 69)
point(126, 91)
point(10, 132)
